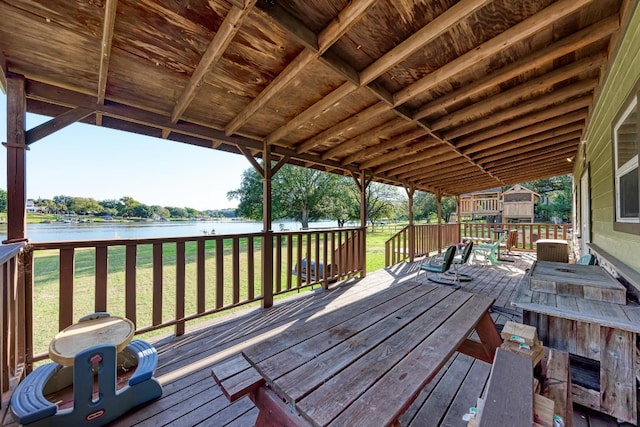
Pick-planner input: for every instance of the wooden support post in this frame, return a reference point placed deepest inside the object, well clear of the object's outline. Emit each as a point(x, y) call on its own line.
point(267, 241)
point(363, 223)
point(439, 206)
point(16, 160)
point(412, 230)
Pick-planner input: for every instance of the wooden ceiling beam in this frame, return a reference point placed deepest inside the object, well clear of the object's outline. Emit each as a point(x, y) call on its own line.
point(519, 147)
point(357, 119)
point(329, 35)
point(546, 101)
point(410, 154)
point(463, 180)
point(572, 138)
point(501, 42)
point(3, 73)
point(575, 120)
point(105, 46)
point(373, 134)
point(55, 124)
point(449, 169)
point(384, 147)
point(438, 26)
point(554, 170)
point(451, 176)
point(218, 45)
point(435, 163)
point(575, 41)
point(428, 33)
point(398, 153)
point(518, 93)
point(550, 157)
point(504, 131)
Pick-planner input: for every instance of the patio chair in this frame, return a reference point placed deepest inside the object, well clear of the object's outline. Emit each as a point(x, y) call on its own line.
point(439, 265)
point(587, 259)
point(461, 259)
point(489, 251)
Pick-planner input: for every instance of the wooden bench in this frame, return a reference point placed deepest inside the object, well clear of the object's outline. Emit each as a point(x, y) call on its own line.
point(236, 377)
point(508, 400)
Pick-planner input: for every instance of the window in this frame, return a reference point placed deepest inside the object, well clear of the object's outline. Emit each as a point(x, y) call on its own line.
point(626, 149)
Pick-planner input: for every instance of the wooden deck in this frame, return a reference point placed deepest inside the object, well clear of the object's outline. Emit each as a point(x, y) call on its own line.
point(191, 397)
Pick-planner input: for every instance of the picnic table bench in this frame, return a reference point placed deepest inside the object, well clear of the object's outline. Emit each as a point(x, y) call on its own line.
point(363, 363)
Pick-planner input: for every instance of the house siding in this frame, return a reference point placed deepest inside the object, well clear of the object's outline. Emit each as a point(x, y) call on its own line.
point(621, 79)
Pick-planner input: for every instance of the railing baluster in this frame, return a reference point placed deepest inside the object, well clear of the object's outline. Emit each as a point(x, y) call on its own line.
point(101, 275)
point(219, 273)
point(201, 290)
point(180, 286)
point(289, 260)
point(131, 282)
point(251, 269)
point(235, 242)
point(65, 315)
point(157, 284)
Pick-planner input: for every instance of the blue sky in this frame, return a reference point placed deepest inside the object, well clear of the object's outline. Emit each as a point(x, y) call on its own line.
point(90, 161)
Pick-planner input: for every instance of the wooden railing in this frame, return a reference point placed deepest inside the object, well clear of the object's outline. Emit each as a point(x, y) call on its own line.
point(13, 348)
point(426, 237)
point(528, 234)
point(160, 283)
point(426, 241)
point(480, 206)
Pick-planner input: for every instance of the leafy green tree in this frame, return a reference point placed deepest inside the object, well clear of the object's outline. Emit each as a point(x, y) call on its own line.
point(128, 205)
point(160, 211)
point(63, 203)
point(426, 206)
point(85, 206)
point(111, 207)
point(341, 206)
point(141, 211)
point(3, 200)
point(379, 199)
point(556, 196)
point(177, 212)
point(302, 194)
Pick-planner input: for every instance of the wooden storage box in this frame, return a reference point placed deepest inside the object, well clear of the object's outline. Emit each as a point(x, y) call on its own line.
point(552, 250)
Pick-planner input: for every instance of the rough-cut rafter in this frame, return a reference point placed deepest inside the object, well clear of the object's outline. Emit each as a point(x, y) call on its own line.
point(591, 34)
point(340, 25)
point(223, 37)
point(105, 51)
point(513, 35)
point(428, 33)
point(504, 131)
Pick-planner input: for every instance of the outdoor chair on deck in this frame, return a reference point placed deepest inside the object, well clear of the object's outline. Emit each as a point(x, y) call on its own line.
point(488, 251)
point(462, 259)
point(587, 259)
point(439, 265)
point(511, 242)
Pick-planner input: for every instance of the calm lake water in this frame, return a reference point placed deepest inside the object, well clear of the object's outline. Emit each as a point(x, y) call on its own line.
point(127, 230)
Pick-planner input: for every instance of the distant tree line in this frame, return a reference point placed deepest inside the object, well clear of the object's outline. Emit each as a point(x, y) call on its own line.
point(125, 207)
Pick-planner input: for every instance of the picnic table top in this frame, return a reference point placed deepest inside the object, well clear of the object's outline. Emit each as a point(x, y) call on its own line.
point(366, 362)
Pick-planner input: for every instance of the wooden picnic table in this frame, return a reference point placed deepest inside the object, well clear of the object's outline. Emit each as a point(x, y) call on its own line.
point(366, 362)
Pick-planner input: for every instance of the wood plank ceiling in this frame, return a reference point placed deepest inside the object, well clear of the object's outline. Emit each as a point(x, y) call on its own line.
point(439, 95)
